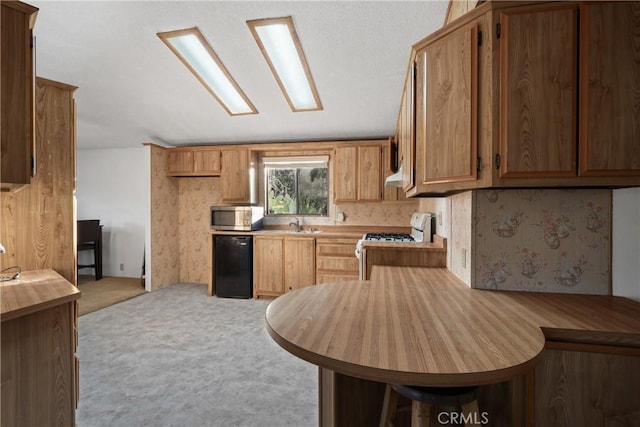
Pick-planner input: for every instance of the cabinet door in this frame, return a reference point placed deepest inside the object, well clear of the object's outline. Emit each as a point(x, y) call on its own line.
point(179, 162)
point(206, 162)
point(299, 260)
point(584, 388)
point(16, 89)
point(235, 176)
point(538, 89)
point(346, 175)
point(370, 173)
point(610, 89)
point(446, 108)
point(268, 272)
point(406, 132)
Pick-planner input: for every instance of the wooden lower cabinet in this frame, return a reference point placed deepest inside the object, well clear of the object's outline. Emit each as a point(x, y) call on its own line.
point(39, 368)
point(282, 264)
point(268, 274)
point(299, 262)
point(583, 385)
point(336, 260)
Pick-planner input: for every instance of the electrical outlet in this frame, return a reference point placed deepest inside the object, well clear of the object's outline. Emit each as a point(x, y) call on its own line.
point(121, 267)
point(464, 258)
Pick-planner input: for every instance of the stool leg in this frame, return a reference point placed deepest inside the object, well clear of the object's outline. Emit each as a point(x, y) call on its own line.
point(389, 407)
point(471, 409)
point(420, 414)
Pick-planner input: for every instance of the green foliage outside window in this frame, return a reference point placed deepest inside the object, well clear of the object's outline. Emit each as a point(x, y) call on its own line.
point(297, 191)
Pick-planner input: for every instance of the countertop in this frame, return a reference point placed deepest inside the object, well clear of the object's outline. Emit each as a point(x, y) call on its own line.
point(35, 290)
point(353, 232)
point(423, 326)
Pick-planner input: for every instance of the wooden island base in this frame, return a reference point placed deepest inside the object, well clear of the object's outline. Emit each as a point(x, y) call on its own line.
point(351, 401)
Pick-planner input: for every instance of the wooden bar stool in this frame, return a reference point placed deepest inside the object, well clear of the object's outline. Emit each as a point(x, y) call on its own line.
point(423, 398)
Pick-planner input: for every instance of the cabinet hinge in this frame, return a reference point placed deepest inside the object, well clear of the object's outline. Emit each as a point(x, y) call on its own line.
point(478, 164)
point(497, 161)
point(479, 38)
point(498, 30)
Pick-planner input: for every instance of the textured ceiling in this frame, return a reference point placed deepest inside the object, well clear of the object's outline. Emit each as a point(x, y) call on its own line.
point(133, 90)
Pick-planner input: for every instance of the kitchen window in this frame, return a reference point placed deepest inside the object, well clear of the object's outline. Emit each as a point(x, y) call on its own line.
point(296, 185)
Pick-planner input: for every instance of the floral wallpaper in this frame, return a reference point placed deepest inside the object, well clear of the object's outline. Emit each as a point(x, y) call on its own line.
point(196, 196)
point(543, 240)
point(165, 263)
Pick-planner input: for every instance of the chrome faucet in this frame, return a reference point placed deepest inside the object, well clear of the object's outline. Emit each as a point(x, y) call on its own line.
point(296, 223)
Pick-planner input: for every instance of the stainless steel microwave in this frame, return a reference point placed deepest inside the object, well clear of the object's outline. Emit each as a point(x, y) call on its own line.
point(236, 218)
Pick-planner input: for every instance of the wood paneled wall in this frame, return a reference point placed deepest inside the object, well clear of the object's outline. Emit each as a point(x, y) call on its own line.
point(38, 220)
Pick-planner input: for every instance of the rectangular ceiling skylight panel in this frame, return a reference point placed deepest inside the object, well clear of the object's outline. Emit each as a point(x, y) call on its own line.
point(281, 48)
point(196, 54)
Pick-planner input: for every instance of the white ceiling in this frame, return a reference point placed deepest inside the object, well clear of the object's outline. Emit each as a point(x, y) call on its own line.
point(133, 90)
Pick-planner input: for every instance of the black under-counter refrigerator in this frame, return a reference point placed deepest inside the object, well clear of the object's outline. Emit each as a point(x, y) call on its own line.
point(233, 268)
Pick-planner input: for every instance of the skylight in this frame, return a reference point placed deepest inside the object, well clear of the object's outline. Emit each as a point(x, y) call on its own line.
point(190, 46)
point(279, 43)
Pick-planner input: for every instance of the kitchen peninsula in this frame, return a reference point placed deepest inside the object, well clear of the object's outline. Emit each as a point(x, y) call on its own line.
point(39, 366)
point(423, 326)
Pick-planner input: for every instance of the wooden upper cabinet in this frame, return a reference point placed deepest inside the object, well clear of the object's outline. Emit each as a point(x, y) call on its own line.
point(446, 108)
point(17, 93)
point(346, 174)
point(405, 134)
point(299, 262)
point(370, 173)
point(206, 161)
point(193, 161)
point(238, 175)
point(358, 173)
point(179, 162)
point(538, 90)
point(610, 89)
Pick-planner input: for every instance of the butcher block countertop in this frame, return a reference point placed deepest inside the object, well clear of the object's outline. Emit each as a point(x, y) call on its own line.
point(423, 326)
point(33, 291)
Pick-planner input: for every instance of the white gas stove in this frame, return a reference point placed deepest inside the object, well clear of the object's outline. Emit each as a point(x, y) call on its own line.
point(422, 230)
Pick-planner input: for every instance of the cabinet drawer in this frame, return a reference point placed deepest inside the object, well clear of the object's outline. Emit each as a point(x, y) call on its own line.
point(335, 277)
point(336, 249)
point(339, 263)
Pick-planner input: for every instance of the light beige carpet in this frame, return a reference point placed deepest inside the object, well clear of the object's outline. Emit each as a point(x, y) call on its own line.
point(106, 291)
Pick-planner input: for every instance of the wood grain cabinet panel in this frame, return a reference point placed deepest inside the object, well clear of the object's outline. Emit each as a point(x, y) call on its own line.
point(610, 89)
point(370, 173)
point(193, 161)
point(358, 173)
point(238, 185)
point(38, 369)
point(299, 260)
point(446, 108)
point(346, 174)
point(206, 162)
point(538, 88)
point(336, 260)
point(583, 388)
point(179, 162)
point(17, 94)
point(268, 270)
point(282, 264)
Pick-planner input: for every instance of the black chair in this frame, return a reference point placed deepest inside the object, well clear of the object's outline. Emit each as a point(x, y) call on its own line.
point(424, 398)
point(90, 238)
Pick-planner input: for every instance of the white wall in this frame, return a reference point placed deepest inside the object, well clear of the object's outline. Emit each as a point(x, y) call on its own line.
point(626, 243)
point(113, 186)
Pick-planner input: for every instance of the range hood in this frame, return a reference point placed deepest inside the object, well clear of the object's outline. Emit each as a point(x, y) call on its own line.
point(395, 180)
